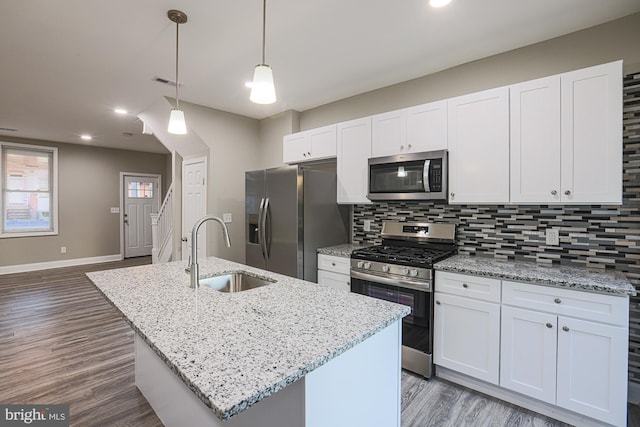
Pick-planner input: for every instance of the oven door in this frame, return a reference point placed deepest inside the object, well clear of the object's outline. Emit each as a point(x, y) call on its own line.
point(417, 333)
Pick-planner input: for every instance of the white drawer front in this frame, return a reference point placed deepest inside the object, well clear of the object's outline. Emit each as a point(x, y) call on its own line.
point(336, 264)
point(482, 288)
point(584, 305)
point(334, 280)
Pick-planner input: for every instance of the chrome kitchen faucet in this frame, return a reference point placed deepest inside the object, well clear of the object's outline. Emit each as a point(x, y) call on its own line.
point(193, 269)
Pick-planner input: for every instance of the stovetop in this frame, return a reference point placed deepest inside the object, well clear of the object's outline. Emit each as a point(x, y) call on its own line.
point(404, 255)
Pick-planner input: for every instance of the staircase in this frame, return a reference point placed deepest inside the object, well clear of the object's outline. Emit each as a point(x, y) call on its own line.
point(162, 230)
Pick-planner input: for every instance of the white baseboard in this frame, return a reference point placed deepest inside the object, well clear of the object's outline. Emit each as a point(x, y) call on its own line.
point(21, 268)
point(633, 395)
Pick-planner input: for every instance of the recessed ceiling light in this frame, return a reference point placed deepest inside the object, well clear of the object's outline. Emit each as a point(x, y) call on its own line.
point(86, 137)
point(120, 111)
point(439, 3)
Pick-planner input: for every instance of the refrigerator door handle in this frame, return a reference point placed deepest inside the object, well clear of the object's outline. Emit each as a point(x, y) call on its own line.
point(265, 230)
point(262, 221)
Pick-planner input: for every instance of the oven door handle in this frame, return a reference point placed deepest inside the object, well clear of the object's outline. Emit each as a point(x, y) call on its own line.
point(401, 283)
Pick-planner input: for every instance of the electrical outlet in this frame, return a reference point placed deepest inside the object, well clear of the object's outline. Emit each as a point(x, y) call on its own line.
point(227, 218)
point(63, 249)
point(367, 225)
point(553, 236)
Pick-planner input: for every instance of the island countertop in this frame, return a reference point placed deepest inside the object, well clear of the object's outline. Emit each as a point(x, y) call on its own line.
point(599, 281)
point(234, 349)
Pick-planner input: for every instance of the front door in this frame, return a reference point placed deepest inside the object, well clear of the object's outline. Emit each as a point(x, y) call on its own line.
point(141, 199)
point(194, 203)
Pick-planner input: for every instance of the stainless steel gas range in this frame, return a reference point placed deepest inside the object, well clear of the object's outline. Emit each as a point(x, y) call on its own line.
point(401, 270)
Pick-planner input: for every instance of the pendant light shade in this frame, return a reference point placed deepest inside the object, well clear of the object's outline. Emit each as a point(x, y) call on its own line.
point(177, 124)
point(263, 90)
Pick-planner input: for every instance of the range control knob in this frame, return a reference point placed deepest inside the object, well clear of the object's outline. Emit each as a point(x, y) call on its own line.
point(385, 268)
point(405, 271)
point(413, 272)
point(360, 264)
point(367, 265)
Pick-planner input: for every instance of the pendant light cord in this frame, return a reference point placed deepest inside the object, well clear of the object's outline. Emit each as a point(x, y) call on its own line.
point(264, 26)
point(177, 39)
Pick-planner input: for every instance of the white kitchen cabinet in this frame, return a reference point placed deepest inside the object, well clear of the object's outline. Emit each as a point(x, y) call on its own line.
point(354, 150)
point(591, 115)
point(566, 137)
point(535, 141)
point(313, 144)
point(410, 130)
point(334, 272)
point(528, 353)
point(586, 371)
point(478, 143)
point(467, 330)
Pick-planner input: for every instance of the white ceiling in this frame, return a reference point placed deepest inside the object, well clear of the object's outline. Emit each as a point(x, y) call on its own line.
point(66, 64)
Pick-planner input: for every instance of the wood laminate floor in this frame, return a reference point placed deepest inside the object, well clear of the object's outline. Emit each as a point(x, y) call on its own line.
point(62, 342)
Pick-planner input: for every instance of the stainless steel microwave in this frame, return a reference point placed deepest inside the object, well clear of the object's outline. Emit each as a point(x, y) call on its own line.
point(416, 176)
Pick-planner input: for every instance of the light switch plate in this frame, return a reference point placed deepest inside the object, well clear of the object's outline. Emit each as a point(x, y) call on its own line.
point(115, 210)
point(553, 236)
point(227, 218)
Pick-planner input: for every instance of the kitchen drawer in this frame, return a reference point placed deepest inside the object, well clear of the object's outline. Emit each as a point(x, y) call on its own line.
point(334, 280)
point(482, 288)
point(336, 264)
point(583, 305)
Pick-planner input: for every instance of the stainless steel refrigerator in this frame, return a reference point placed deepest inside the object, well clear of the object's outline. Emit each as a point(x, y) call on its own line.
point(291, 211)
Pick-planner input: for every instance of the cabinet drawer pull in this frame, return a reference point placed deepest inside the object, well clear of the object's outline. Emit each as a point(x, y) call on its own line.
point(566, 193)
point(549, 325)
point(438, 302)
point(565, 328)
point(464, 285)
point(554, 192)
point(333, 264)
point(557, 300)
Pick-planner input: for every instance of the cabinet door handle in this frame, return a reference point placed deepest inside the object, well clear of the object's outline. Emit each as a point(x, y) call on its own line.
point(333, 264)
point(557, 300)
point(308, 153)
point(438, 302)
point(554, 192)
point(452, 195)
point(566, 193)
point(408, 146)
point(402, 147)
point(565, 328)
point(549, 325)
point(464, 285)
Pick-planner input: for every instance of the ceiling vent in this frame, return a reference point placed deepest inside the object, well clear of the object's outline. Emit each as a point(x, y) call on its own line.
point(8, 130)
point(165, 81)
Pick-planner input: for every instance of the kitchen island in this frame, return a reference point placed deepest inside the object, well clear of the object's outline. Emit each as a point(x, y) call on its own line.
point(289, 353)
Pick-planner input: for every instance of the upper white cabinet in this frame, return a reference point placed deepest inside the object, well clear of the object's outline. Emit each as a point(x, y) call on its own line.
point(535, 141)
point(478, 127)
point(313, 144)
point(354, 150)
point(591, 115)
point(566, 137)
point(410, 130)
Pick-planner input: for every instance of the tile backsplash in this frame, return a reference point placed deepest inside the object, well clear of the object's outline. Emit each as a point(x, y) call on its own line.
point(596, 236)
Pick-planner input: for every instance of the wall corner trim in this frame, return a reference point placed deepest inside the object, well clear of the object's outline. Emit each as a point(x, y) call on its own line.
point(22, 268)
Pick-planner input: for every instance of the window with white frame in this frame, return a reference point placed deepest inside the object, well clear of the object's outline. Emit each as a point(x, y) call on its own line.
point(28, 178)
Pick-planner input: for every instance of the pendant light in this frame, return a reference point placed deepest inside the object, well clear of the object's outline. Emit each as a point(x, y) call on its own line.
point(263, 91)
point(177, 125)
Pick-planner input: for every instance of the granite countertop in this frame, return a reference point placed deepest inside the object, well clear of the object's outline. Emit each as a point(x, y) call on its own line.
point(234, 349)
point(343, 250)
point(601, 281)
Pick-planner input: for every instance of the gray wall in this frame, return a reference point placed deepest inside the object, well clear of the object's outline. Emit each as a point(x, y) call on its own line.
point(619, 39)
point(272, 130)
point(233, 144)
point(88, 185)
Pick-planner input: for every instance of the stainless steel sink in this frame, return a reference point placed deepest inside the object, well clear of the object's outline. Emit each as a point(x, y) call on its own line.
point(236, 281)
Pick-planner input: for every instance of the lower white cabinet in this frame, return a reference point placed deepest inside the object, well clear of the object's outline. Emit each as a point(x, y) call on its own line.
point(466, 329)
point(334, 272)
point(563, 347)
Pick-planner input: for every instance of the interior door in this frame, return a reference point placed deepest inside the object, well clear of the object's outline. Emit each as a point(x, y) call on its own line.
point(141, 199)
point(194, 203)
